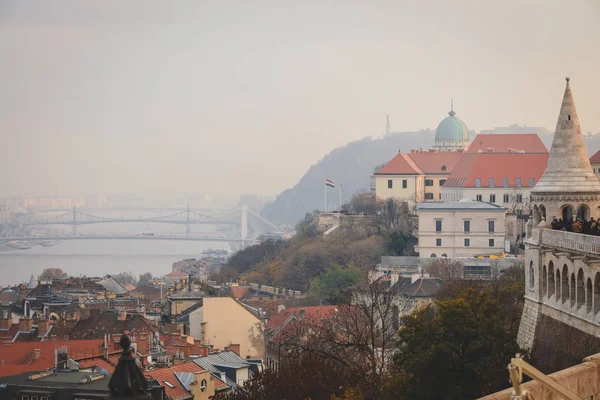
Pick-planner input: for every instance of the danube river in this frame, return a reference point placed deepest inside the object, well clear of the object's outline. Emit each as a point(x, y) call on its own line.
point(100, 257)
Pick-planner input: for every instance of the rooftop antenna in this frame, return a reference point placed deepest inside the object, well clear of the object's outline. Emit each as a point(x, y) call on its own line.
point(387, 124)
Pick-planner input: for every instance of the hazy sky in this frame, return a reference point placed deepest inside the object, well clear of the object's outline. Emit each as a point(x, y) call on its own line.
point(242, 97)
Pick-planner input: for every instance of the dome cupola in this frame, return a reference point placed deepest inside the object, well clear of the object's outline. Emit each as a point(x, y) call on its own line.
point(451, 133)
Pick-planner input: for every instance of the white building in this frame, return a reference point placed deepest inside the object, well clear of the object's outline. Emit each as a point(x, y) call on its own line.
point(460, 229)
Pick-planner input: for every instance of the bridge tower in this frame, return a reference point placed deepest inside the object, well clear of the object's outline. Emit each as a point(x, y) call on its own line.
point(244, 224)
point(187, 220)
point(74, 220)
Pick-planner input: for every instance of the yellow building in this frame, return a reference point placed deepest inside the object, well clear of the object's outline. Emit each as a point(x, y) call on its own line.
point(416, 176)
point(221, 321)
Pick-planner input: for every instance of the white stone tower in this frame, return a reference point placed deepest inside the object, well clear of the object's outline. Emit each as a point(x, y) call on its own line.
point(562, 280)
point(568, 188)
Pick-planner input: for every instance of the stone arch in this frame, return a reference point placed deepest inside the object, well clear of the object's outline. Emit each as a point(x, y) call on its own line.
point(444, 255)
point(544, 281)
point(564, 289)
point(566, 213)
point(432, 255)
point(580, 291)
point(583, 212)
point(543, 213)
point(572, 297)
point(589, 295)
point(531, 275)
point(551, 286)
point(597, 293)
point(536, 216)
point(558, 291)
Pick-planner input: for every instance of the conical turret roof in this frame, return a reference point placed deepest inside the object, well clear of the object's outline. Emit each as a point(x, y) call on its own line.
point(568, 169)
point(32, 282)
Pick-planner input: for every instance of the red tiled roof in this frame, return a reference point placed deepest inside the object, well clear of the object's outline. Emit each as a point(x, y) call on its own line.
point(278, 319)
point(595, 158)
point(501, 142)
point(401, 164)
point(433, 163)
point(498, 166)
point(168, 374)
point(239, 292)
point(16, 353)
point(420, 162)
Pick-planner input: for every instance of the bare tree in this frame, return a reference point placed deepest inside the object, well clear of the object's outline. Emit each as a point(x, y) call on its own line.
point(392, 214)
point(447, 269)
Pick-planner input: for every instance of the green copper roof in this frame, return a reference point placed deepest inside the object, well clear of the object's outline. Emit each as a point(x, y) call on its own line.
point(451, 129)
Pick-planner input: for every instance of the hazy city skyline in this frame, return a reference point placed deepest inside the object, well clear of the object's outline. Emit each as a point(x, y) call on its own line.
point(232, 97)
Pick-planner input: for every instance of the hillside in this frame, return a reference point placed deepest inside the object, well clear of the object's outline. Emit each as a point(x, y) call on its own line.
point(352, 164)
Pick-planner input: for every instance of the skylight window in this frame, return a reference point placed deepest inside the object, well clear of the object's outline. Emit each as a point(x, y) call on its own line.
point(477, 182)
point(169, 384)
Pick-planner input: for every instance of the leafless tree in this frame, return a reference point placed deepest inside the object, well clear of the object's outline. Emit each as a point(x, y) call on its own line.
point(447, 269)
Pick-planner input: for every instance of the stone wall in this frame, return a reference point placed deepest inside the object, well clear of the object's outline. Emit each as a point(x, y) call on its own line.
point(529, 322)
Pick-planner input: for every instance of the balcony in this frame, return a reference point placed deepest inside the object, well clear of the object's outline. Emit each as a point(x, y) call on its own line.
point(563, 240)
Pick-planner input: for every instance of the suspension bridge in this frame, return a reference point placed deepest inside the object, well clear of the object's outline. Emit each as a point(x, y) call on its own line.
point(187, 217)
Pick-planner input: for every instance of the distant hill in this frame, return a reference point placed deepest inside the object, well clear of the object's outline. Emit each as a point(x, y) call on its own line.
point(353, 165)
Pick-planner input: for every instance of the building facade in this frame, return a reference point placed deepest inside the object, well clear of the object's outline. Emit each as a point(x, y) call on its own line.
point(221, 321)
point(461, 229)
point(562, 279)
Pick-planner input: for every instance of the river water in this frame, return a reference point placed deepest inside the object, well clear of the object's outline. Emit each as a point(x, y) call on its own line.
point(100, 257)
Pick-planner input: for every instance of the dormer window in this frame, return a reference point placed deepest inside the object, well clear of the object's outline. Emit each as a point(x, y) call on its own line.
point(443, 167)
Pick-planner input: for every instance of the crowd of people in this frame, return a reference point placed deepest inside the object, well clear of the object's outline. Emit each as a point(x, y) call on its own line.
point(591, 227)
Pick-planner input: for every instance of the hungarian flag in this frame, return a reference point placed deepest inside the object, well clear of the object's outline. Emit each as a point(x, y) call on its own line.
point(329, 182)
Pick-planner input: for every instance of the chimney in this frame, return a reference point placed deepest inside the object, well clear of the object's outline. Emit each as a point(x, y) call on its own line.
point(233, 347)
point(61, 356)
point(190, 282)
point(37, 353)
point(43, 325)
point(5, 324)
point(122, 316)
point(25, 325)
point(280, 308)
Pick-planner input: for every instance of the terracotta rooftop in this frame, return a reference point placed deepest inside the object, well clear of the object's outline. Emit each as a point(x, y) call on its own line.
point(476, 170)
point(502, 142)
point(163, 375)
point(17, 353)
point(595, 158)
point(99, 324)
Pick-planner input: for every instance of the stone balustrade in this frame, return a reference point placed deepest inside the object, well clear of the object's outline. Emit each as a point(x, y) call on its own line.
point(570, 241)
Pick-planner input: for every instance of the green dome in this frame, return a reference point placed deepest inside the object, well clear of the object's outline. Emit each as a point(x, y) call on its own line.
point(451, 129)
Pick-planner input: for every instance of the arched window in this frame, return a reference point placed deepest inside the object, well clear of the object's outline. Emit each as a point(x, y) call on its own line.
point(531, 275)
point(543, 213)
point(567, 213)
point(565, 284)
point(588, 299)
point(580, 289)
point(597, 293)
point(558, 292)
point(551, 286)
point(432, 255)
point(544, 281)
point(444, 255)
point(583, 213)
point(572, 296)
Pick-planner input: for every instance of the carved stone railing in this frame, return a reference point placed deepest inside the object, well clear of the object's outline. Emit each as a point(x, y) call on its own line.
point(569, 241)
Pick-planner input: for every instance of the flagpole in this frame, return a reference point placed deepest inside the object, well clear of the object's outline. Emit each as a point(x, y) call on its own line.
point(340, 196)
point(325, 196)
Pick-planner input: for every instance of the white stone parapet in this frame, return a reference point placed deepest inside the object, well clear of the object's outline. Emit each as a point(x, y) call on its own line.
point(570, 241)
